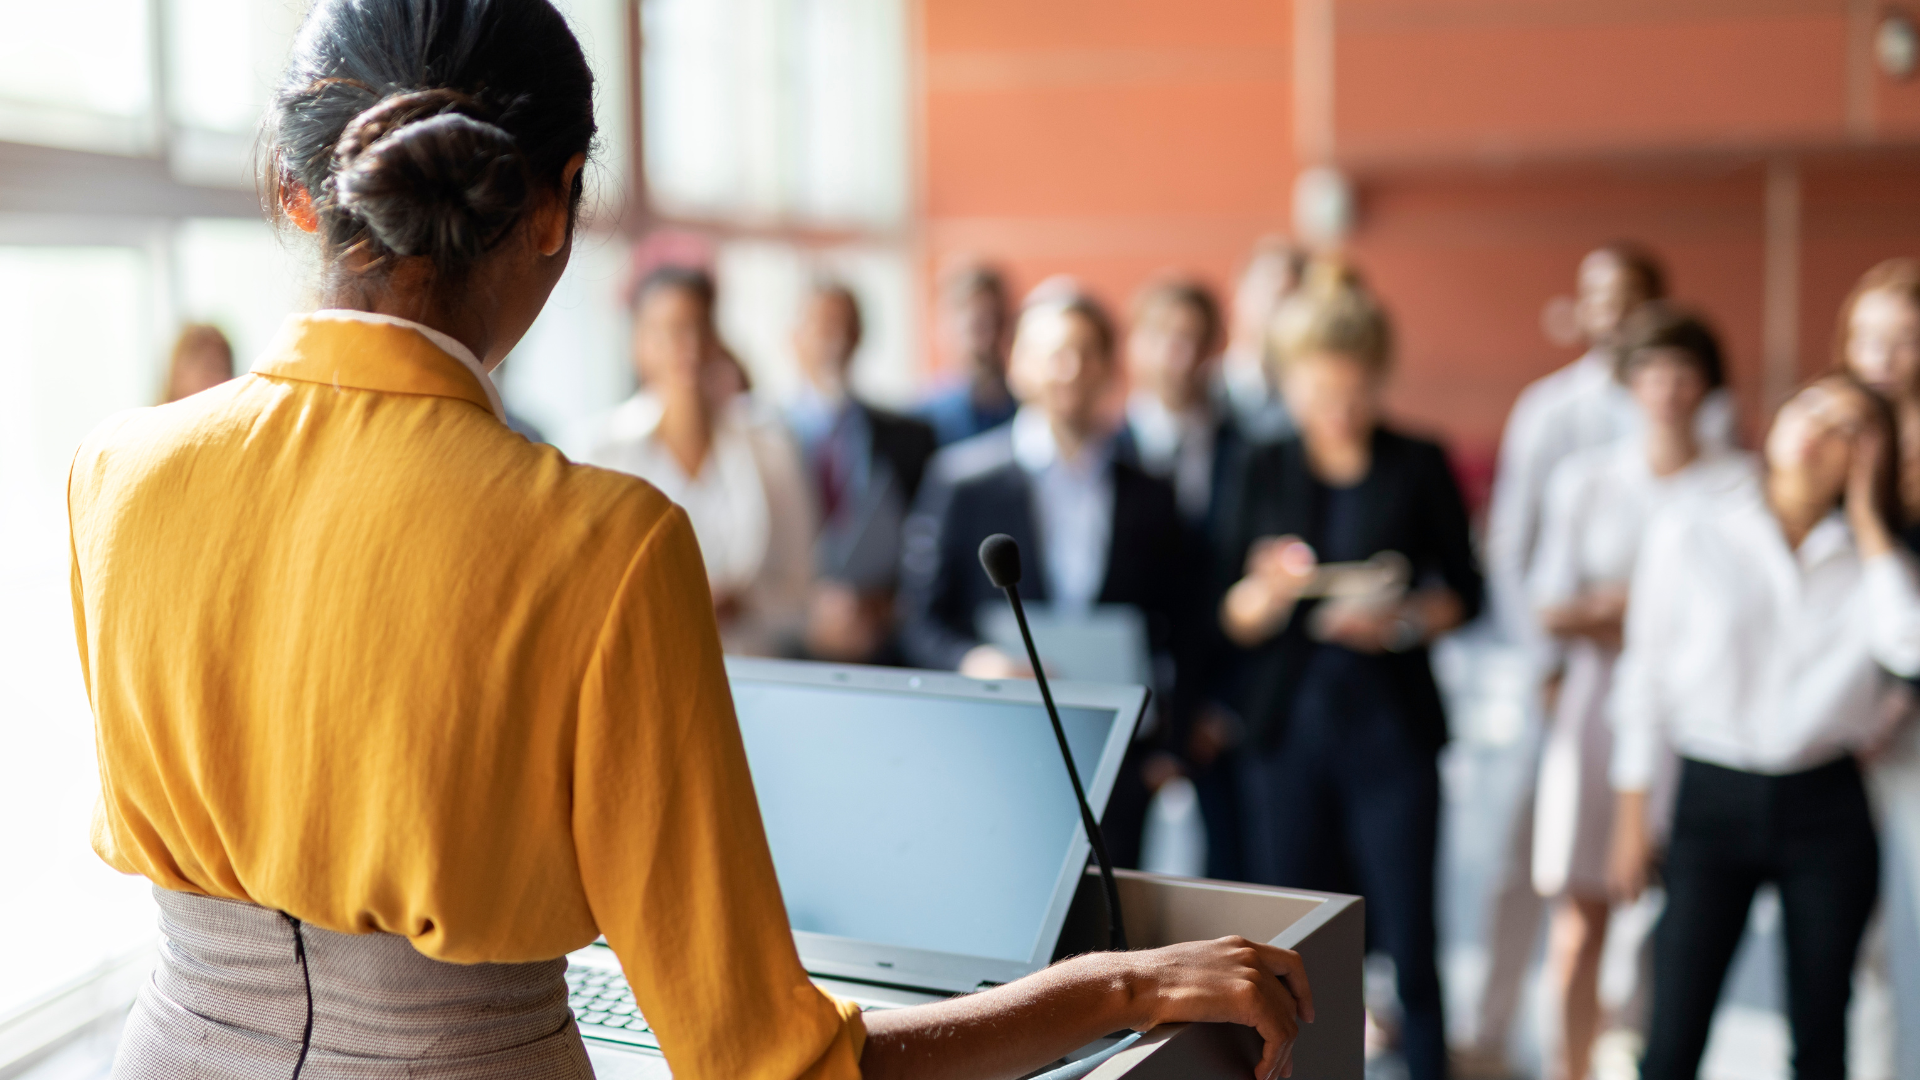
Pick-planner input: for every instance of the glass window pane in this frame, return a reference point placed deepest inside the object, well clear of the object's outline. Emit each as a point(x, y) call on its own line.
point(765, 110)
point(79, 349)
point(240, 277)
point(77, 73)
point(224, 57)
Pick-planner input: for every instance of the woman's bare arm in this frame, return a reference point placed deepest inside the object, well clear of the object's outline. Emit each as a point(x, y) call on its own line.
point(1013, 1029)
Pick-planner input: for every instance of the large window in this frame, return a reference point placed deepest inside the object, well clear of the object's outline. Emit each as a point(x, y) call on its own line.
point(149, 110)
point(776, 128)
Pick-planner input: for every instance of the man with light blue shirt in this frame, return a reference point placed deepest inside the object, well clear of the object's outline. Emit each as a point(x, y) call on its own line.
point(1098, 530)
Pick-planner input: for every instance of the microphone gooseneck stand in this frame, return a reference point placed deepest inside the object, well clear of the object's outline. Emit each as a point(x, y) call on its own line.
point(1000, 557)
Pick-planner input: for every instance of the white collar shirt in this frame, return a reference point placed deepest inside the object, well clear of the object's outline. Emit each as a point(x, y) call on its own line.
point(726, 500)
point(1579, 406)
point(1073, 509)
point(1598, 504)
point(1177, 447)
point(1747, 654)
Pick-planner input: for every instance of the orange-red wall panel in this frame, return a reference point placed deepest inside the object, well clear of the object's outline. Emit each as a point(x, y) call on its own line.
point(1408, 89)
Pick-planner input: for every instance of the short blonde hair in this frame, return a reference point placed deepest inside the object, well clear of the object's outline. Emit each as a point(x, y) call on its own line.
point(1332, 312)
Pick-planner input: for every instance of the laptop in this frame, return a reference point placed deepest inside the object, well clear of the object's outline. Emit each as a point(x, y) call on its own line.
point(969, 848)
point(1104, 643)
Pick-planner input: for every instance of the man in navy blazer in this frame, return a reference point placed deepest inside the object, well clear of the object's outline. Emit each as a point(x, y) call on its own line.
point(1094, 528)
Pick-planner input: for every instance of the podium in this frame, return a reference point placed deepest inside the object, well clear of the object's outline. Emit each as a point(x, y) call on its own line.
point(1328, 930)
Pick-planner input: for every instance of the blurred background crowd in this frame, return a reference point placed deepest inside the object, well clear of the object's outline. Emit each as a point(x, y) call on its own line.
point(1493, 429)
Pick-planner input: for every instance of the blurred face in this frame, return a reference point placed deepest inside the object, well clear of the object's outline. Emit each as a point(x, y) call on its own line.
point(1667, 385)
point(200, 369)
point(1883, 343)
point(1166, 353)
point(672, 340)
point(1813, 436)
point(1334, 398)
point(1059, 366)
point(974, 322)
point(1608, 290)
point(825, 339)
point(1266, 282)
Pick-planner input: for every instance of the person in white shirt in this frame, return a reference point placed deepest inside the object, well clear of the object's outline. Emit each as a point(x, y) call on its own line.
point(1598, 502)
point(1094, 529)
point(1879, 341)
point(1761, 627)
point(733, 471)
point(1271, 275)
point(1579, 406)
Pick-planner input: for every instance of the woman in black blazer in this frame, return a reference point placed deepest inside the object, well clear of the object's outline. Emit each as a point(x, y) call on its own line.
point(1340, 781)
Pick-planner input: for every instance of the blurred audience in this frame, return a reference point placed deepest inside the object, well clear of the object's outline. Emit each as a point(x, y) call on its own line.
point(693, 434)
point(1341, 780)
point(1757, 626)
point(973, 322)
point(1597, 505)
point(1096, 530)
point(865, 464)
point(1271, 274)
point(1581, 405)
point(202, 359)
point(1178, 430)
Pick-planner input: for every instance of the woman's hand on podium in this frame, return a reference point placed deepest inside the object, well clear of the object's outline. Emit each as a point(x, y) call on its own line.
point(1236, 981)
point(1011, 1030)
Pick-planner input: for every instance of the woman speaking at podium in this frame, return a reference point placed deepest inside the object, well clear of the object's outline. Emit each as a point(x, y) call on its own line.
point(395, 708)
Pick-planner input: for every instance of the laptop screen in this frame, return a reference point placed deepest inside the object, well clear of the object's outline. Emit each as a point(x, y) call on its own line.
point(913, 819)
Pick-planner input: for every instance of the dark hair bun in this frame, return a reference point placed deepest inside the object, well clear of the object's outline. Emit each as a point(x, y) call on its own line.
point(430, 178)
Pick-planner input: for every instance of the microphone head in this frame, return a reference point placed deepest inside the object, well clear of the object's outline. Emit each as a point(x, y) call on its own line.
point(1000, 555)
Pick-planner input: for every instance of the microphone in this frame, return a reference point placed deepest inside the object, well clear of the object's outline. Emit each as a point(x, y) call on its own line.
point(1000, 557)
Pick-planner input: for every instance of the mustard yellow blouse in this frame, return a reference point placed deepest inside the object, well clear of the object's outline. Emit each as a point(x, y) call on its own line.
point(360, 653)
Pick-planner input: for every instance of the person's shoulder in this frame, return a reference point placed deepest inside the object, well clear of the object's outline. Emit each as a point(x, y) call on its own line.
point(1395, 444)
point(1725, 510)
point(1583, 467)
point(1544, 399)
point(898, 426)
point(973, 460)
point(134, 443)
point(1720, 473)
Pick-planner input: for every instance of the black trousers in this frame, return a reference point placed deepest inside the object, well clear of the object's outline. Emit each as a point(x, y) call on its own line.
point(1811, 835)
point(1350, 802)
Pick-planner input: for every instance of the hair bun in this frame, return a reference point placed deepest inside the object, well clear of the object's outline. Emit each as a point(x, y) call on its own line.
point(429, 177)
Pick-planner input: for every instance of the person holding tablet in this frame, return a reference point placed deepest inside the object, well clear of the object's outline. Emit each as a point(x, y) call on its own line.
point(1340, 775)
point(396, 709)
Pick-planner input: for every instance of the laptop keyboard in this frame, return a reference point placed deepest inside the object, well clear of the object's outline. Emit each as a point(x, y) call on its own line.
point(603, 1006)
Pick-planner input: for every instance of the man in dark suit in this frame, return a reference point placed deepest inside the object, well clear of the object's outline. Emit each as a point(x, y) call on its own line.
point(866, 464)
point(1094, 529)
point(1179, 430)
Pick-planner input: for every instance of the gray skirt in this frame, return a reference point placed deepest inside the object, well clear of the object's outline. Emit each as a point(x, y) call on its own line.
point(245, 993)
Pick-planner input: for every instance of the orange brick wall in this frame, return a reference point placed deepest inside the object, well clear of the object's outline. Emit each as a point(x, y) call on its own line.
point(1491, 143)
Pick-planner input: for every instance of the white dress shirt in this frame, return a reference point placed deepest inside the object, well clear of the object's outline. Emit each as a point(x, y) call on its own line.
point(1073, 509)
point(1751, 655)
point(1579, 406)
point(748, 505)
point(1598, 503)
point(1177, 447)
